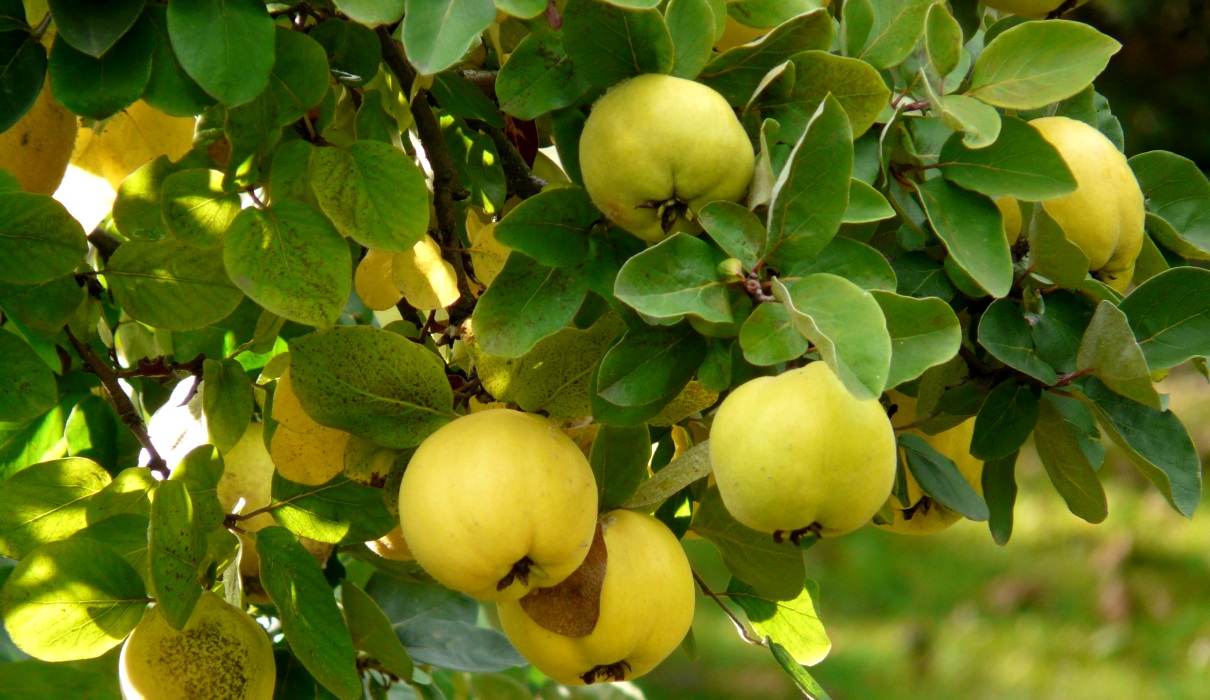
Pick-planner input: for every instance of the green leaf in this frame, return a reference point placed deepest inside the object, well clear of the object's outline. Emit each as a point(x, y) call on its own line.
point(1052, 254)
point(693, 465)
point(979, 124)
point(309, 615)
point(866, 205)
point(794, 623)
point(353, 50)
point(476, 162)
point(1000, 492)
point(1170, 315)
point(97, 599)
point(942, 39)
point(1019, 164)
point(526, 302)
point(1110, 353)
point(715, 372)
point(460, 97)
point(1005, 420)
point(439, 627)
point(924, 334)
point(372, 383)
point(27, 386)
point(290, 176)
point(92, 432)
point(170, 284)
point(176, 547)
point(23, 444)
point(1178, 192)
point(939, 477)
point(289, 259)
point(770, 337)
point(373, 193)
point(38, 679)
point(138, 209)
point(1067, 465)
point(227, 401)
point(339, 512)
point(1154, 441)
point(227, 46)
point(23, 75)
point(94, 27)
point(897, 26)
point(916, 275)
point(736, 230)
point(99, 88)
point(436, 33)
point(196, 208)
point(45, 307)
point(609, 44)
point(128, 493)
point(847, 327)
point(551, 227)
point(46, 502)
point(853, 260)
point(525, 9)
point(300, 75)
point(811, 193)
point(856, 85)
point(677, 277)
point(39, 240)
point(738, 72)
point(372, 13)
point(619, 458)
point(253, 130)
point(971, 227)
point(649, 366)
point(200, 470)
point(775, 571)
point(555, 375)
point(1058, 330)
point(1005, 333)
point(539, 77)
point(687, 20)
point(1037, 63)
point(371, 630)
point(170, 89)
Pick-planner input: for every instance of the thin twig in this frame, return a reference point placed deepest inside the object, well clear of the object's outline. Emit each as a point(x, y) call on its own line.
point(126, 411)
point(739, 625)
point(445, 177)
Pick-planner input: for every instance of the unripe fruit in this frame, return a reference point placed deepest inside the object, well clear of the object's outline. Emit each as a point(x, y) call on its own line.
point(798, 453)
point(220, 653)
point(646, 608)
point(497, 503)
point(37, 148)
point(657, 148)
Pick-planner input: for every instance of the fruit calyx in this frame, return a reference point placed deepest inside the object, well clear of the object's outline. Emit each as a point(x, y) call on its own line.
point(519, 572)
point(795, 536)
point(668, 211)
point(606, 672)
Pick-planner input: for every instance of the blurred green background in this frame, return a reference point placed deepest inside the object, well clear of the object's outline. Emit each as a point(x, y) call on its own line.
point(1068, 610)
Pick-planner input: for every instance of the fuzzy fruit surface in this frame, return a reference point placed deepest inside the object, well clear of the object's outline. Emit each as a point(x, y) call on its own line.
point(798, 450)
point(37, 148)
point(656, 140)
point(1034, 9)
point(646, 608)
point(1104, 217)
point(919, 518)
point(220, 653)
point(498, 502)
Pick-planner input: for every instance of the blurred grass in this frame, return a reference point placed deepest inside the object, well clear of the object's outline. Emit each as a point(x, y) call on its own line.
point(1067, 610)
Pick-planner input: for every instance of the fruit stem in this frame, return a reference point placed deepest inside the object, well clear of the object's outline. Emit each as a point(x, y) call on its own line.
point(519, 572)
point(739, 625)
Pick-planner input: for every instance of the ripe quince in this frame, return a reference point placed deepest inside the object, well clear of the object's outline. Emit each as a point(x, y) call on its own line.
point(220, 653)
point(798, 453)
point(37, 148)
point(497, 503)
point(922, 515)
point(657, 148)
point(645, 608)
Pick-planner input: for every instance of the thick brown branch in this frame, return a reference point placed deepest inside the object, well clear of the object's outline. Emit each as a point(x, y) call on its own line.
point(445, 177)
point(126, 410)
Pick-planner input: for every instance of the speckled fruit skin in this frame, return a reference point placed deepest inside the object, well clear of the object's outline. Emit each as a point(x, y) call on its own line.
point(954, 443)
point(221, 653)
point(647, 605)
point(654, 138)
point(798, 450)
point(1034, 9)
point(491, 489)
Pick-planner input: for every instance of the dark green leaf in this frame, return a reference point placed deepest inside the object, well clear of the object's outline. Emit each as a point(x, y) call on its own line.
point(609, 44)
point(649, 365)
point(1070, 471)
point(460, 97)
point(372, 632)
point(1005, 333)
point(27, 386)
point(677, 277)
point(227, 401)
point(970, 226)
point(808, 685)
point(853, 260)
point(227, 46)
point(1110, 353)
point(372, 13)
point(939, 477)
point(436, 33)
point(539, 77)
point(738, 72)
point(619, 462)
point(92, 432)
point(200, 470)
point(1005, 420)
point(736, 230)
point(895, 28)
point(477, 164)
point(39, 240)
point(942, 39)
point(775, 571)
point(353, 50)
point(918, 276)
point(694, 465)
point(1178, 192)
point(769, 336)
point(527, 302)
point(22, 76)
point(551, 227)
point(176, 548)
point(1021, 163)
point(1052, 255)
point(340, 512)
point(170, 284)
point(1057, 331)
point(924, 333)
point(856, 85)
point(170, 89)
point(300, 75)
point(1170, 315)
point(93, 27)
point(687, 20)
point(866, 205)
point(1000, 492)
point(32, 678)
point(99, 88)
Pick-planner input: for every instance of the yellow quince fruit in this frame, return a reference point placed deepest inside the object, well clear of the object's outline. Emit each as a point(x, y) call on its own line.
point(220, 653)
point(644, 607)
point(497, 503)
point(657, 148)
point(922, 515)
point(798, 453)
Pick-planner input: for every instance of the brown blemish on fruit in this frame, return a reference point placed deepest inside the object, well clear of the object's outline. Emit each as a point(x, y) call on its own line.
point(214, 661)
point(573, 607)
